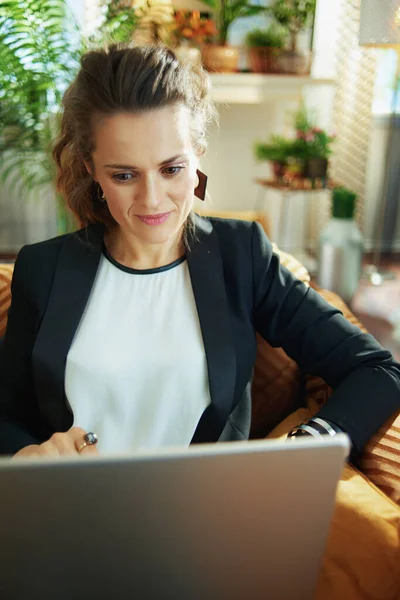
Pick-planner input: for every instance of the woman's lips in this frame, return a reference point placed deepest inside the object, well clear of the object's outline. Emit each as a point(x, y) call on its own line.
point(154, 219)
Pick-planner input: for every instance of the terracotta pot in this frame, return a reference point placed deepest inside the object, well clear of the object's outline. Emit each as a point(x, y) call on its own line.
point(278, 169)
point(316, 168)
point(264, 60)
point(294, 63)
point(220, 59)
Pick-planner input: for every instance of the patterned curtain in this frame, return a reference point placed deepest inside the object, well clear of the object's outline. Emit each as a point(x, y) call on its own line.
point(352, 116)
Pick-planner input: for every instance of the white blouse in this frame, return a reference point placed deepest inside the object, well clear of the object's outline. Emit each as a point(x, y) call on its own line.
point(136, 372)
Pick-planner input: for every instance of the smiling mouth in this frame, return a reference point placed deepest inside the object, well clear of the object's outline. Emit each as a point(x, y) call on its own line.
point(154, 219)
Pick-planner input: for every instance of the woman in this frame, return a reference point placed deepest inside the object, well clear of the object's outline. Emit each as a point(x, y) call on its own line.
point(141, 326)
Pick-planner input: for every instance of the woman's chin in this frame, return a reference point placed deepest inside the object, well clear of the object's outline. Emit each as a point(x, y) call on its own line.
point(158, 234)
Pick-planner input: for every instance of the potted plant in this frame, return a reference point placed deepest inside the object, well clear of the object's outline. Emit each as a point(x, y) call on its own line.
point(219, 56)
point(313, 145)
point(264, 47)
point(340, 247)
point(189, 31)
point(281, 153)
point(295, 15)
point(39, 55)
point(304, 155)
point(120, 21)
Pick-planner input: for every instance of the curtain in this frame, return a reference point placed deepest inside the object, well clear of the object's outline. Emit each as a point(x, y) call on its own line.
point(352, 114)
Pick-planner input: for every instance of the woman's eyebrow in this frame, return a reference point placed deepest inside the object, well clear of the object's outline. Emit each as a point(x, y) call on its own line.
point(133, 168)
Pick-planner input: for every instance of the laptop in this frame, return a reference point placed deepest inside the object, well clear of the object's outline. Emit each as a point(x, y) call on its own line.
point(228, 521)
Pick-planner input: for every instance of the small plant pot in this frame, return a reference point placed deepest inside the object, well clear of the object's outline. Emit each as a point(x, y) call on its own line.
point(220, 59)
point(278, 169)
point(294, 170)
point(316, 168)
point(264, 60)
point(294, 63)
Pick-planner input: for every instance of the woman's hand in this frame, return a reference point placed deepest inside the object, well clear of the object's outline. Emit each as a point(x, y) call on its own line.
point(60, 444)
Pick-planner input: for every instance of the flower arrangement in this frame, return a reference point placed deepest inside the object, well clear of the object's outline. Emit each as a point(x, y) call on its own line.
point(306, 153)
point(314, 143)
point(193, 27)
point(311, 141)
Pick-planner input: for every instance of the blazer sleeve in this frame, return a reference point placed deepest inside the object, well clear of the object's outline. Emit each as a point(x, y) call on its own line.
point(20, 420)
point(288, 314)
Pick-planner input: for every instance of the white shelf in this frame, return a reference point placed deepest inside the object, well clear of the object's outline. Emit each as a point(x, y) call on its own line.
point(252, 88)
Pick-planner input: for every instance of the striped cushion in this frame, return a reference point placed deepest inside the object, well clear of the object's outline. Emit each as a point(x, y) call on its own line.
point(5, 294)
point(380, 460)
point(276, 388)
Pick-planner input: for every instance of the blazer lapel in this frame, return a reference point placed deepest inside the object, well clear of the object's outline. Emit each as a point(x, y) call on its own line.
point(207, 276)
point(73, 280)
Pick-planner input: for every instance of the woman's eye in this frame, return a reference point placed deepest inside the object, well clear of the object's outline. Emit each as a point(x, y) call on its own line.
point(173, 170)
point(122, 177)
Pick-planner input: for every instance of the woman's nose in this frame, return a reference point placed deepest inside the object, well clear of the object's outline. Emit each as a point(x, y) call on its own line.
point(150, 194)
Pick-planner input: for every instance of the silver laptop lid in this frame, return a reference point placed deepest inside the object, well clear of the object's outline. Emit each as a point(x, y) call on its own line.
point(237, 521)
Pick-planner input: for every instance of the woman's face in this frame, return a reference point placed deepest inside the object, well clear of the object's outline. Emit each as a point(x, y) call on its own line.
point(146, 167)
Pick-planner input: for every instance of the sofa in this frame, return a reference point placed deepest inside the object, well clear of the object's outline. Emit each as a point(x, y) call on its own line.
point(362, 556)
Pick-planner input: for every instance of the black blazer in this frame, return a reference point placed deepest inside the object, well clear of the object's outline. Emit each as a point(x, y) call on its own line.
point(239, 288)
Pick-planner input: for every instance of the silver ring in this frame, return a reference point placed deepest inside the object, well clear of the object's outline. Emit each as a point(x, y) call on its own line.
point(90, 439)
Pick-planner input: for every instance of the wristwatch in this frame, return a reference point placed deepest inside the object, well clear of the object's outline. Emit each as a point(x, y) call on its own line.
point(316, 427)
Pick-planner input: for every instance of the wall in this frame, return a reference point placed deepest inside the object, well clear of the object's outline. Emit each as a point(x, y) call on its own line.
point(25, 218)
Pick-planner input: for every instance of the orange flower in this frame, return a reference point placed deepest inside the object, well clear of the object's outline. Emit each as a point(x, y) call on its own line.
point(191, 25)
point(187, 33)
point(210, 27)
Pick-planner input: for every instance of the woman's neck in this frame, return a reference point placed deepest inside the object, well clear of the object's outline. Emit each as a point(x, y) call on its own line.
point(136, 254)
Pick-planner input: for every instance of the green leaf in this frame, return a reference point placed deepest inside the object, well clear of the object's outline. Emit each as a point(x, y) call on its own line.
point(37, 55)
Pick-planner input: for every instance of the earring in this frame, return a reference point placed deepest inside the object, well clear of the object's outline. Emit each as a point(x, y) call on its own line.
point(200, 190)
point(101, 198)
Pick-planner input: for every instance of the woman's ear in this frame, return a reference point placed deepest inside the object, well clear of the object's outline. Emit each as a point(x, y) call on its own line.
point(88, 167)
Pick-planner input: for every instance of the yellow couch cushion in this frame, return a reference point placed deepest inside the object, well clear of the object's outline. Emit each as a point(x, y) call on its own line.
point(362, 554)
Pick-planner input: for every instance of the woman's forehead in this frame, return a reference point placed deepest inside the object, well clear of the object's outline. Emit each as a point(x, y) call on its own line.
point(160, 133)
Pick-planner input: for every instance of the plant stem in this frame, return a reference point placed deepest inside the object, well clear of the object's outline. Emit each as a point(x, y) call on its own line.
point(293, 41)
point(223, 29)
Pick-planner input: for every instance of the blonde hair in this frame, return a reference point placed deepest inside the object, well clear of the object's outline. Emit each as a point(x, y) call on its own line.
point(121, 78)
